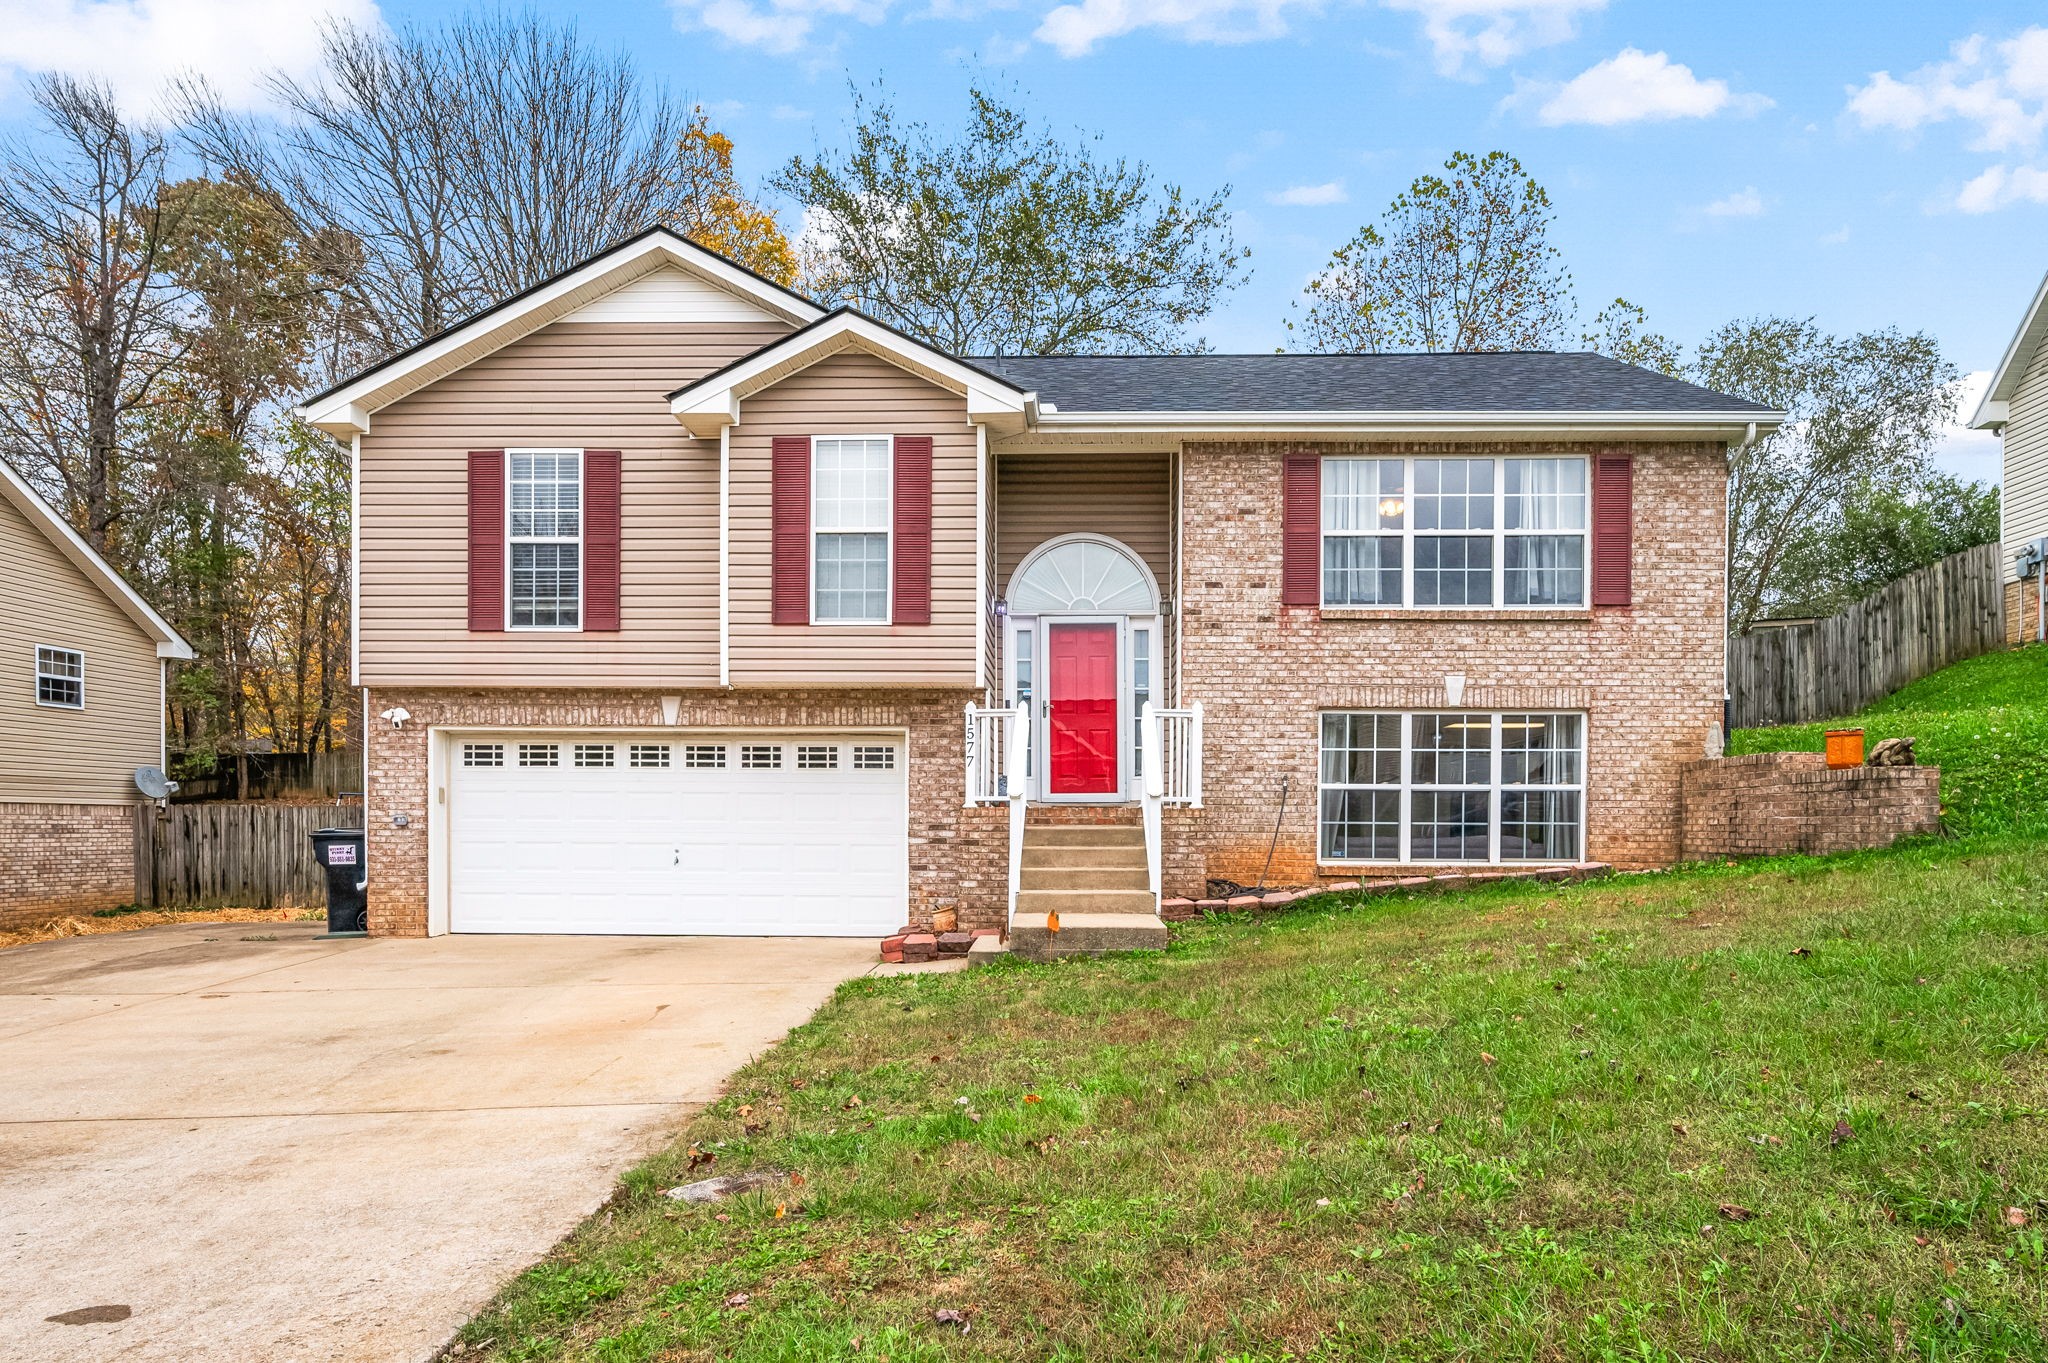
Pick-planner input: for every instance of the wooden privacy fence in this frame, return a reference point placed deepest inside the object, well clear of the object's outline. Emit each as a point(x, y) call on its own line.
point(1943, 613)
point(250, 856)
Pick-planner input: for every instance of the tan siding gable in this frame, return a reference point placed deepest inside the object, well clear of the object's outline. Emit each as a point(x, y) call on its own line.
point(73, 756)
point(1127, 497)
point(2023, 493)
point(571, 384)
point(855, 393)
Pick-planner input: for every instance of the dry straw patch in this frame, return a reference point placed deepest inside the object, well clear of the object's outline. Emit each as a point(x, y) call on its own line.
point(96, 926)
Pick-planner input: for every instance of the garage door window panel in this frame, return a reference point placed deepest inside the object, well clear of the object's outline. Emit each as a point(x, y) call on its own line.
point(545, 529)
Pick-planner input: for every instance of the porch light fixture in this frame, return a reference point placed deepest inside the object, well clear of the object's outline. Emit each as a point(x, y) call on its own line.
point(1002, 607)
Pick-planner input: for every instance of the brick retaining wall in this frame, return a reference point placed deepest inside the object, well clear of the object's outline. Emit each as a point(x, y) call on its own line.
point(60, 860)
point(1767, 804)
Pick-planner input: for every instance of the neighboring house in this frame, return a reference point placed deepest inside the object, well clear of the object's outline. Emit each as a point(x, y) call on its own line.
point(2016, 406)
point(689, 606)
point(81, 707)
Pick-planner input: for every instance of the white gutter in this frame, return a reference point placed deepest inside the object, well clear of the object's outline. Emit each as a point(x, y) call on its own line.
point(1394, 420)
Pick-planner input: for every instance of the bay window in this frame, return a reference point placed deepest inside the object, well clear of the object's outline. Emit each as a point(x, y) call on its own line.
point(1450, 787)
point(1454, 533)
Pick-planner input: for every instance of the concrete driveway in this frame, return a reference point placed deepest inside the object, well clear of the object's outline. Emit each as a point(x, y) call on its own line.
point(264, 1145)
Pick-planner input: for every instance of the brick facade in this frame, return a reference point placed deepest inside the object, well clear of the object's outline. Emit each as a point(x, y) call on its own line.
point(959, 857)
point(1649, 676)
point(62, 859)
point(2022, 611)
point(1767, 804)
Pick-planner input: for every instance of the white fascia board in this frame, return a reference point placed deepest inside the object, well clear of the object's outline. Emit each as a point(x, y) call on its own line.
point(346, 411)
point(169, 643)
point(707, 407)
point(2012, 366)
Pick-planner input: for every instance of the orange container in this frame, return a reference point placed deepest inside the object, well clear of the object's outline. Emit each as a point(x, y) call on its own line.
point(1845, 747)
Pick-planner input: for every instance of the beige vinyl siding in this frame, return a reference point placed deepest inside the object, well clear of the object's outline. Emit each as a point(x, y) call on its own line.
point(1128, 497)
point(2023, 493)
point(600, 386)
point(854, 393)
point(63, 756)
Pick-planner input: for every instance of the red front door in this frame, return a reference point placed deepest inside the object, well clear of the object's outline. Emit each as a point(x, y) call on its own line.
point(1082, 719)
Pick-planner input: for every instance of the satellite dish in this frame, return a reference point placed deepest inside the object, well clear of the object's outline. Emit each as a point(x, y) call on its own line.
point(152, 782)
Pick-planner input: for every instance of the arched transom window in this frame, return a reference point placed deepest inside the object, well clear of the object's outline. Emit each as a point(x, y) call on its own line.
point(1082, 573)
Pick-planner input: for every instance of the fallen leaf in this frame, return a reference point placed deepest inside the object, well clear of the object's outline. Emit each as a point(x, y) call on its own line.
point(1842, 1132)
point(781, 1210)
point(1322, 1202)
point(736, 1301)
point(1680, 1128)
point(1736, 1212)
point(1922, 1241)
point(701, 1158)
point(850, 1104)
point(2015, 1217)
point(796, 1180)
point(746, 1109)
point(1033, 1098)
point(720, 1216)
point(946, 1315)
point(1436, 1126)
point(1486, 1059)
point(1802, 951)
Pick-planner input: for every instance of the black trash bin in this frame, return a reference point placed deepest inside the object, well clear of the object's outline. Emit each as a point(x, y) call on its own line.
point(340, 852)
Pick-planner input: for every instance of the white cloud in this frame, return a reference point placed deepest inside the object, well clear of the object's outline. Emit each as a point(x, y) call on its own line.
point(1493, 32)
point(775, 25)
point(138, 46)
point(1836, 237)
point(1311, 196)
point(1743, 203)
point(1634, 86)
point(1998, 91)
point(1074, 29)
point(1960, 450)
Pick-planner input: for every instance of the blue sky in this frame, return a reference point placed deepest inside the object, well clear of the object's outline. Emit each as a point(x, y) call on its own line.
point(1868, 164)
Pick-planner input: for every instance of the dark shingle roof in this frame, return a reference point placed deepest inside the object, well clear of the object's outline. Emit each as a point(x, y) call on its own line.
point(1500, 381)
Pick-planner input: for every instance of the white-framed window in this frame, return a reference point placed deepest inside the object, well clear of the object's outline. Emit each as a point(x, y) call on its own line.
point(1451, 786)
point(1456, 533)
point(760, 756)
point(648, 755)
point(874, 759)
point(817, 757)
point(1141, 691)
point(60, 677)
point(540, 755)
point(483, 754)
point(704, 756)
point(545, 525)
point(595, 755)
point(852, 512)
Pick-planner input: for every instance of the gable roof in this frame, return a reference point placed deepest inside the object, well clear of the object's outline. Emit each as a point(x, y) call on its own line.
point(705, 405)
point(345, 409)
point(1490, 382)
point(169, 643)
point(2019, 355)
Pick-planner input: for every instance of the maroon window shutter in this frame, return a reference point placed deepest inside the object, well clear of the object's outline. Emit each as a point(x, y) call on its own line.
point(911, 565)
point(790, 510)
point(487, 540)
point(1613, 529)
point(601, 539)
point(1301, 531)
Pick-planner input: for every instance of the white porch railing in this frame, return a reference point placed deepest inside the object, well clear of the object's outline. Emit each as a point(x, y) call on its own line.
point(1170, 756)
point(998, 756)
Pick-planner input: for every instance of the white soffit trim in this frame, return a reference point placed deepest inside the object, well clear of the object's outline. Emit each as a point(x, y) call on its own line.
point(44, 517)
point(713, 404)
point(1696, 425)
point(1993, 412)
point(346, 411)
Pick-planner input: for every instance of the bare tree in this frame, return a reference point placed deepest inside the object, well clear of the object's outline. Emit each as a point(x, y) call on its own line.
point(1465, 263)
point(88, 324)
point(468, 162)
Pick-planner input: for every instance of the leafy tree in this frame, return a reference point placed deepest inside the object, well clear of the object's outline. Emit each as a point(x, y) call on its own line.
point(1863, 411)
point(1005, 238)
point(713, 209)
point(1881, 531)
point(1460, 261)
point(1621, 330)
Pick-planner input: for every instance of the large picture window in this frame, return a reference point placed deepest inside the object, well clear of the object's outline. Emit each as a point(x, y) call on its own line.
point(851, 510)
point(547, 540)
point(1435, 533)
point(1449, 787)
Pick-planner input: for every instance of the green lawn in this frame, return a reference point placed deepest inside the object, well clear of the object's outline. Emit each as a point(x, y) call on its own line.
point(1983, 722)
point(1500, 1124)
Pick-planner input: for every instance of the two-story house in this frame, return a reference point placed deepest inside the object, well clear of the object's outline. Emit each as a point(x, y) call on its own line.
point(689, 606)
point(2015, 404)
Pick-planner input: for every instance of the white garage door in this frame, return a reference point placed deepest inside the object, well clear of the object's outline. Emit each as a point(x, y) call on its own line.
point(735, 836)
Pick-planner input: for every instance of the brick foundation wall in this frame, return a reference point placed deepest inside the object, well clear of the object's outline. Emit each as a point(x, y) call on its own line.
point(1649, 676)
point(2022, 611)
point(59, 860)
point(1768, 804)
point(959, 857)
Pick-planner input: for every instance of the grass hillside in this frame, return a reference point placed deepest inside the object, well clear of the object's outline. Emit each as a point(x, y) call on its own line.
point(1795, 1109)
point(1984, 722)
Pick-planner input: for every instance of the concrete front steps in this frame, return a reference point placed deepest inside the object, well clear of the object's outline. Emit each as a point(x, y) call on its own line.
point(1093, 876)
